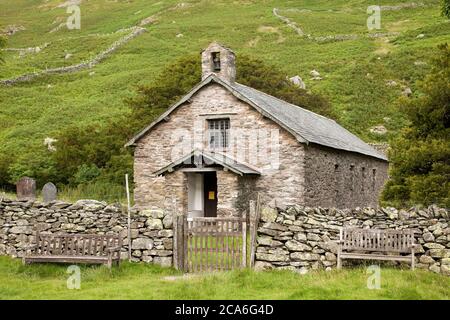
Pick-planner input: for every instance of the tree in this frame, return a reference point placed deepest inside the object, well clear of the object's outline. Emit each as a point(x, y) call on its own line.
point(86, 153)
point(5, 161)
point(420, 156)
point(178, 78)
point(446, 8)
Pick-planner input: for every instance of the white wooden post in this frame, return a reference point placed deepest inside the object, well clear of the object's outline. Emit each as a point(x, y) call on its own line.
point(129, 216)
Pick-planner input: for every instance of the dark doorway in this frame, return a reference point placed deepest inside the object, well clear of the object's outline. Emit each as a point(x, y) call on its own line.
point(210, 194)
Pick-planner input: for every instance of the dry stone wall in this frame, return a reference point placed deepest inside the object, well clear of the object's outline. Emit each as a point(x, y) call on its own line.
point(135, 31)
point(302, 238)
point(151, 230)
point(295, 237)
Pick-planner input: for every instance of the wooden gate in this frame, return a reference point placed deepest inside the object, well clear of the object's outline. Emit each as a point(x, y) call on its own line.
point(210, 244)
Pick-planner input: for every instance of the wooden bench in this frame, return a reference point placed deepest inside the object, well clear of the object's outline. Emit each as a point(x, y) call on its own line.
point(75, 248)
point(373, 244)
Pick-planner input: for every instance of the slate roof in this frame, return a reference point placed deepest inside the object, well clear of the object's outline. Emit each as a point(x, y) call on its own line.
point(309, 125)
point(197, 158)
point(306, 126)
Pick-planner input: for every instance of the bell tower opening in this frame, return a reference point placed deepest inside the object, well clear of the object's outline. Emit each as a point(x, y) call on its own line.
point(220, 61)
point(215, 57)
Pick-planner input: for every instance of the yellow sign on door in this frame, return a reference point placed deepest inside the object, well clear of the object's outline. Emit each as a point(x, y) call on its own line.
point(211, 195)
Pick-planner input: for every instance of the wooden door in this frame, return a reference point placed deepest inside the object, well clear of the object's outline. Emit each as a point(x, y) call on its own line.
point(210, 194)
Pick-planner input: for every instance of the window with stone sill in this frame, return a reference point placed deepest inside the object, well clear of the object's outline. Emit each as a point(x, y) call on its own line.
point(218, 133)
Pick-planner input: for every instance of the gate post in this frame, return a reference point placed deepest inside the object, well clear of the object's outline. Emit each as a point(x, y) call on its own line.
point(178, 232)
point(176, 263)
point(180, 242)
point(185, 242)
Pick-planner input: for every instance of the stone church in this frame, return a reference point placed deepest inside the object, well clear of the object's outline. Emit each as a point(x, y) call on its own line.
point(224, 142)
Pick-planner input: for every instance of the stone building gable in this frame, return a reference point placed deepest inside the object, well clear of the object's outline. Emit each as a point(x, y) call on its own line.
point(163, 144)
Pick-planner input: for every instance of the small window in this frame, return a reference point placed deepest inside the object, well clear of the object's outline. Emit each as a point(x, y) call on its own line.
point(216, 61)
point(352, 178)
point(363, 178)
point(374, 178)
point(336, 182)
point(218, 133)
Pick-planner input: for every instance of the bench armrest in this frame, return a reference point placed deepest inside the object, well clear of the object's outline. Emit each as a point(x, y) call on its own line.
point(113, 249)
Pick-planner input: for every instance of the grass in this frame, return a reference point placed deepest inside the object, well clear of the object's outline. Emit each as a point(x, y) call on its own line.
point(30, 112)
point(146, 281)
point(208, 252)
point(108, 192)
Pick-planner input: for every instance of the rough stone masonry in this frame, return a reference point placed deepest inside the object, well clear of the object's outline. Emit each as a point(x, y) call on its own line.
point(296, 237)
point(301, 238)
point(151, 230)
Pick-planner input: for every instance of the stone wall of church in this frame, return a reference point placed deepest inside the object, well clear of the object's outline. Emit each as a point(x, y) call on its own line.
point(342, 179)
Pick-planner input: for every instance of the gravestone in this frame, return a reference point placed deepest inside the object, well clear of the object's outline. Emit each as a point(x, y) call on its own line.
point(26, 188)
point(49, 192)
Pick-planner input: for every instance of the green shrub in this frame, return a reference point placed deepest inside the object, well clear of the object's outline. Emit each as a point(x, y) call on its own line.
point(420, 156)
point(4, 174)
point(86, 173)
point(38, 164)
point(446, 8)
point(102, 191)
point(99, 146)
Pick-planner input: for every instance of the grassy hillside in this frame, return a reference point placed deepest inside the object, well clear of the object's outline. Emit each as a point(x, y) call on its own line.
point(355, 72)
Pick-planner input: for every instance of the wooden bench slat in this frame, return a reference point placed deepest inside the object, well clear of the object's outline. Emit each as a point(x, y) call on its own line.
point(369, 241)
point(75, 248)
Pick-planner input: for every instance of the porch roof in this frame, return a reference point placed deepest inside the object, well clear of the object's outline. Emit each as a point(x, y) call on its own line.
point(200, 158)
